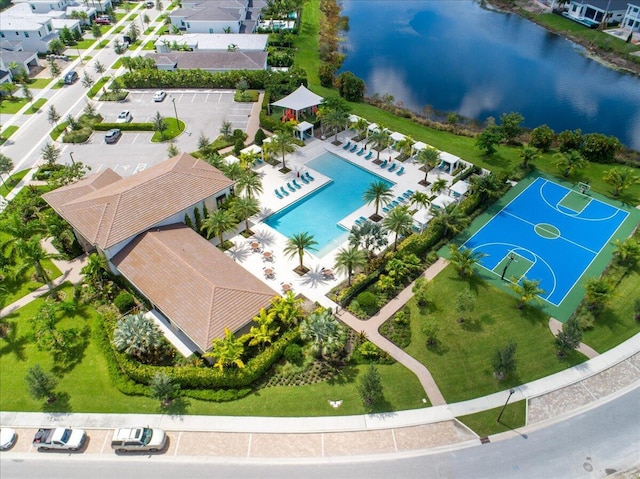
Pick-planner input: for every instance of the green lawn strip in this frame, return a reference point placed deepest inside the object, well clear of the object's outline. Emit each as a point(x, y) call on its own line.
point(485, 423)
point(85, 44)
point(150, 45)
point(17, 288)
point(103, 44)
point(117, 64)
point(7, 132)
point(39, 83)
point(461, 365)
point(307, 42)
point(36, 106)
point(120, 29)
point(57, 131)
point(93, 91)
point(120, 16)
point(11, 106)
point(616, 323)
point(174, 129)
point(10, 183)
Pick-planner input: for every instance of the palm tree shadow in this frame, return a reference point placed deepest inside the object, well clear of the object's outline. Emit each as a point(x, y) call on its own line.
point(61, 404)
point(178, 407)
point(15, 344)
point(346, 376)
point(239, 252)
point(314, 277)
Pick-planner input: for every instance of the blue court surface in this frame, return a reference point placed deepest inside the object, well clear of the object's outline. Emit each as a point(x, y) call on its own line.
point(548, 233)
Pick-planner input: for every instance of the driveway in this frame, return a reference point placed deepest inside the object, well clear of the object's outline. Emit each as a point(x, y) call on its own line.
point(203, 111)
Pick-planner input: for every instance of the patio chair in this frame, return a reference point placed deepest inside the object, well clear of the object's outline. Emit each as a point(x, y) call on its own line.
point(354, 148)
point(406, 194)
point(410, 192)
point(392, 167)
point(369, 155)
point(363, 219)
point(361, 151)
point(291, 188)
point(296, 184)
point(304, 179)
point(400, 171)
point(347, 145)
point(383, 164)
point(309, 177)
point(401, 199)
point(358, 221)
point(385, 209)
point(283, 191)
point(394, 203)
point(278, 194)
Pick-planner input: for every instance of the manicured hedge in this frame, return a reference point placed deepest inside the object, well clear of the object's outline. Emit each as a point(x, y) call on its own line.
point(124, 126)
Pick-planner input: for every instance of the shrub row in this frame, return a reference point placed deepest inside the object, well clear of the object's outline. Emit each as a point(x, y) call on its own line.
point(124, 126)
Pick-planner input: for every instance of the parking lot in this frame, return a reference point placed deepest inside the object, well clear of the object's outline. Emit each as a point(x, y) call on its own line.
point(202, 111)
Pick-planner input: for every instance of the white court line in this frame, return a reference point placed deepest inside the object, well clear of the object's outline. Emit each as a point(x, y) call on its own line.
point(617, 210)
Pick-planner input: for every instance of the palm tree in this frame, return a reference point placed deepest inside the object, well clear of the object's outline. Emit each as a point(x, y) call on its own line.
point(227, 351)
point(95, 270)
point(527, 290)
point(620, 179)
point(350, 259)
point(399, 221)
point(485, 186)
point(570, 162)
point(283, 143)
point(137, 336)
point(218, 223)
point(378, 192)
point(419, 199)
point(336, 120)
point(34, 255)
point(439, 185)
point(527, 154)
point(369, 236)
point(463, 260)
point(428, 158)
point(249, 183)
point(244, 207)
point(404, 146)
point(324, 331)
point(380, 138)
point(450, 219)
point(598, 292)
point(19, 232)
point(233, 171)
point(360, 126)
point(298, 244)
point(627, 251)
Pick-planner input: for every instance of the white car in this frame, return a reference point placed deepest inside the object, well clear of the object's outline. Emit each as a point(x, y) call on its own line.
point(8, 438)
point(124, 117)
point(159, 95)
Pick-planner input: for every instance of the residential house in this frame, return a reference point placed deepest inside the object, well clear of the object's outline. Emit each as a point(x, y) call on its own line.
point(212, 61)
point(34, 31)
point(136, 223)
point(215, 16)
point(46, 6)
point(207, 42)
point(631, 20)
point(594, 10)
point(13, 60)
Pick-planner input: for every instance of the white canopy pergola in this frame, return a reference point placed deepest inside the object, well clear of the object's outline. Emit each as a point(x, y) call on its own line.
point(299, 100)
point(229, 159)
point(371, 128)
point(302, 128)
point(254, 150)
point(448, 162)
point(417, 147)
point(442, 201)
point(396, 137)
point(459, 188)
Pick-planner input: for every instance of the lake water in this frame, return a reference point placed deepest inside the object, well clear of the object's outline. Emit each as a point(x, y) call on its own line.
point(457, 56)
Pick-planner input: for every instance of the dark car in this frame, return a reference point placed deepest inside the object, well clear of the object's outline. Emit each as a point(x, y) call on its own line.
point(70, 77)
point(112, 136)
point(150, 4)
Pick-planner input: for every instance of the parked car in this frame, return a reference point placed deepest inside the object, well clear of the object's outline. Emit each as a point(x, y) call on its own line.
point(124, 117)
point(112, 136)
point(138, 439)
point(159, 95)
point(103, 21)
point(150, 4)
point(8, 438)
point(62, 438)
point(70, 77)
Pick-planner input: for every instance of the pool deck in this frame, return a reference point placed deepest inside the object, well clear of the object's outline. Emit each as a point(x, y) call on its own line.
point(313, 285)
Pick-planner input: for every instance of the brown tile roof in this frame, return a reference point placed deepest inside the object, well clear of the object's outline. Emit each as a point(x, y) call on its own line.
point(195, 285)
point(107, 209)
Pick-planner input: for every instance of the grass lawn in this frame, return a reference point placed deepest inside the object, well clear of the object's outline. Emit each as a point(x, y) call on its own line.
point(7, 132)
point(57, 131)
point(11, 106)
point(86, 387)
point(120, 29)
point(36, 106)
point(93, 91)
point(102, 44)
point(117, 64)
point(16, 289)
point(485, 423)
point(174, 129)
point(150, 45)
point(86, 43)
point(10, 183)
point(39, 83)
point(461, 363)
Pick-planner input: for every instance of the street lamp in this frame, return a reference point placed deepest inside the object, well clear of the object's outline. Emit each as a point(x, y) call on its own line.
point(175, 110)
point(511, 391)
point(71, 156)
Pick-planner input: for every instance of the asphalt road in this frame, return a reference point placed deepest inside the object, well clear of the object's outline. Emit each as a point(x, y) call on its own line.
point(595, 444)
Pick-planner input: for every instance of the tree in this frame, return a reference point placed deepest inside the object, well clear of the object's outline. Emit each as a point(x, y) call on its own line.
point(6, 166)
point(133, 32)
point(450, 219)
point(486, 187)
point(34, 255)
point(56, 46)
point(164, 388)
point(263, 333)
point(370, 387)
point(172, 149)
point(504, 361)
point(87, 81)
point(350, 87)
point(250, 183)
point(160, 125)
point(378, 192)
point(542, 138)
point(428, 158)
point(349, 259)
point(464, 259)
point(227, 351)
point(527, 155)
point(620, 178)
point(297, 244)
point(283, 143)
point(465, 303)
point(325, 332)
point(218, 223)
point(287, 309)
point(380, 138)
point(99, 68)
point(569, 338)
point(53, 117)
point(335, 119)
point(18, 232)
point(50, 153)
point(399, 221)
point(89, 109)
point(600, 148)
point(421, 290)
point(118, 47)
point(54, 68)
point(598, 292)
point(369, 236)
point(95, 270)
point(527, 290)
point(226, 130)
point(430, 329)
point(439, 186)
point(570, 162)
point(489, 139)
point(203, 142)
point(510, 126)
point(40, 384)
point(96, 31)
point(570, 140)
point(244, 207)
point(26, 93)
point(137, 336)
point(627, 252)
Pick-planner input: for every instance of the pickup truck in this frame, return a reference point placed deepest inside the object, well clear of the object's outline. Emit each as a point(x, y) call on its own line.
point(138, 439)
point(59, 438)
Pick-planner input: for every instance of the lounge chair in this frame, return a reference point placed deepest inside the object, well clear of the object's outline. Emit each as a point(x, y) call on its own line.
point(400, 171)
point(383, 164)
point(358, 221)
point(362, 218)
point(347, 145)
point(406, 194)
point(283, 191)
point(354, 148)
point(392, 167)
point(385, 209)
point(369, 155)
point(410, 192)
point(291, 188)
point(304, 179)
point(394, 203)
point(415, 228)
point(278, 194)
point(309, 177)
point(296, 184)
point(402, 199)
point(361, 151)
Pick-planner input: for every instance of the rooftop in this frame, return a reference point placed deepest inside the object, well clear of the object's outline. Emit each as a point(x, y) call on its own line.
point(216, 41)
point(213, 60)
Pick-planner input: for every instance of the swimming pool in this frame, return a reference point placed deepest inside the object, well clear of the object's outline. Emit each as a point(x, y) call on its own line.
point(319, 213)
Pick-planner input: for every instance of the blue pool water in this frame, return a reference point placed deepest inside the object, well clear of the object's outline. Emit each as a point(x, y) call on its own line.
point(319, 213)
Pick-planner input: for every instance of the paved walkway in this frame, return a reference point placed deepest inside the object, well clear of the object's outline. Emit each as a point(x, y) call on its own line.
point(556, 326)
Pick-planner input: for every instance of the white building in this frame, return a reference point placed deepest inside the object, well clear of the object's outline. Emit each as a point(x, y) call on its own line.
point(205, 42)
point(216, 16)
point(34, 31)
point(12, 53)
point(594, 10)
point(45, 6)
point(631, 20)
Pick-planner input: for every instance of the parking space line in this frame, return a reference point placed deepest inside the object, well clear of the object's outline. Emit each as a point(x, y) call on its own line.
point(175, 452)
point(135, 138)
point(139, 168)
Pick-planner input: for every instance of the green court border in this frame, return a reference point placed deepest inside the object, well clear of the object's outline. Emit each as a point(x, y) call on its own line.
point(595, 269)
